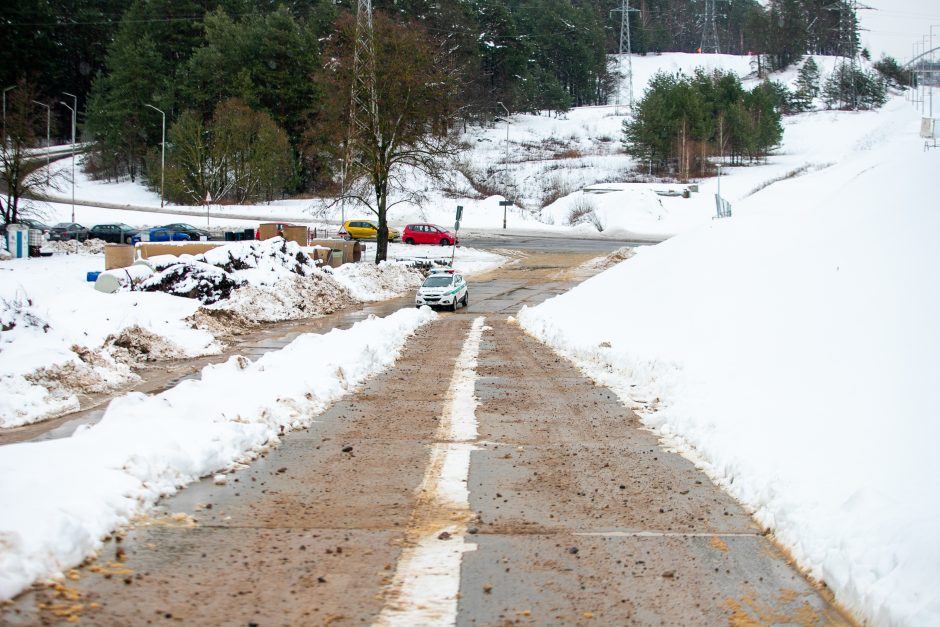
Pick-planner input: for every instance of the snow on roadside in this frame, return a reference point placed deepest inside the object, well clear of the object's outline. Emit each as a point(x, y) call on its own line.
point(470, 261)
point(793, 353)
point(61, 497)
point(61, 338)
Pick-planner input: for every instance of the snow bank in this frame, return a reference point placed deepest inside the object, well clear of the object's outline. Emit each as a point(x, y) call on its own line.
point(794, 354)
point(58, 335)
point(59, 498)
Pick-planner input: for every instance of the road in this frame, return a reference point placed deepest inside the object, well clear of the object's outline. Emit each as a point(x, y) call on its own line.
point(481, 481)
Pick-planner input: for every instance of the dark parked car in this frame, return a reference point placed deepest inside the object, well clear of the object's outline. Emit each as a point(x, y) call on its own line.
point(35, 224)
point(117, 233)
point(160, 234)
point(64, 231)
point(194, 233)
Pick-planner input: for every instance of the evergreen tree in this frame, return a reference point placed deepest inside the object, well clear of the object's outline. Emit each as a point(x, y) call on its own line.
point(117, 118)
point(892, 72)
point(807, 85)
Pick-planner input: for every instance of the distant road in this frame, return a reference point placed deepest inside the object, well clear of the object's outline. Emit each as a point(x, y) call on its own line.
point(549, 242)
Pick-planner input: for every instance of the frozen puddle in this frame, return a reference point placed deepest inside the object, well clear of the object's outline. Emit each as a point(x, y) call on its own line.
point(427, 578)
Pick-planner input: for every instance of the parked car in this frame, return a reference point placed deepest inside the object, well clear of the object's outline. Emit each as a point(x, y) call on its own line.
point(116, 233)
point(160, 234)
point(194, 233)
point(64, 231)
point(365, 229)
point(443, 288)
point(428, 234)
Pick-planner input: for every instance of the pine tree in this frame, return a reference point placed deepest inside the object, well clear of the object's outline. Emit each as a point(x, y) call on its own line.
point(122, 126)
point(807, 85)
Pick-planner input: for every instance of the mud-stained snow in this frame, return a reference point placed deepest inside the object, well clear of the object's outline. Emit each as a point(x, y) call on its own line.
point(60, 498)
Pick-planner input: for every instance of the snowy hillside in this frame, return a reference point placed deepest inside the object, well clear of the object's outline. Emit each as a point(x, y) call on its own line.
point(793, 352)
point(551, 160)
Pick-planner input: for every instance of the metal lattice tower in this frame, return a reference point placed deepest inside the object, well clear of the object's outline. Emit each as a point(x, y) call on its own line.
point(363, 107)
point(848, 44)
point(709, 29)
point(625, 33)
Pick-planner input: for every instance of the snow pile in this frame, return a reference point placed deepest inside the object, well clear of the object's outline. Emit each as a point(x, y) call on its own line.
point(274, 279)
point(60, 338)
point(370, 282)
point(88, 247)
point(468, 260)
point(794, 354)
point(59, 498)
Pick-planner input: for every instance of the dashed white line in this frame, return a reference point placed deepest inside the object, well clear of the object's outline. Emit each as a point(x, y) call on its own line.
point(427, 577)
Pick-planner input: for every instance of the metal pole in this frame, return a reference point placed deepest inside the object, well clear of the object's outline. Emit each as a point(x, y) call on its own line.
point(5, 90)
point(73, 156)
point(506, 174)
point(48, 122)
point(162, 150)
point(74, 116)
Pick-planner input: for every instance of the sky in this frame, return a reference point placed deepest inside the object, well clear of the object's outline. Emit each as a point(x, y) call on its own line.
point(892, 26)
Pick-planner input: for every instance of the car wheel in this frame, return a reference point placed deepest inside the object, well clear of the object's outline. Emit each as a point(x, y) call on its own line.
point(410, 241)
point(445, 242)
point(347, 237)
point(466, 298)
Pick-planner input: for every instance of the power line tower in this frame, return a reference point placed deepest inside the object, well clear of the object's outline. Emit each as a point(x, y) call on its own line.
point(848, 44)
point(625, 30)
point(363, 109)
point(709, 29)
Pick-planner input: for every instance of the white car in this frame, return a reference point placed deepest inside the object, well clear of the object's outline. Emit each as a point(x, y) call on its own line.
point(443, 288)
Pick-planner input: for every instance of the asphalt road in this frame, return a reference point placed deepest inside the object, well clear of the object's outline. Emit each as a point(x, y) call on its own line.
point(481, 481)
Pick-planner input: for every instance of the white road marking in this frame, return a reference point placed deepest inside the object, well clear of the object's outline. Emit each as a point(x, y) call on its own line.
point(427, 578)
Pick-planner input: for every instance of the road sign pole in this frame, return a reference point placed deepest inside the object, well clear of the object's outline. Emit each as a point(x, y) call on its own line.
point(453, 250)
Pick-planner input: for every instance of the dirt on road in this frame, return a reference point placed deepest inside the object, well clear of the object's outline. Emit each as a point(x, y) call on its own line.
point(567, 512)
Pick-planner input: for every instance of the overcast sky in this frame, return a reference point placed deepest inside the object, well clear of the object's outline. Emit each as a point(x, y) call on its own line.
point(894, 25)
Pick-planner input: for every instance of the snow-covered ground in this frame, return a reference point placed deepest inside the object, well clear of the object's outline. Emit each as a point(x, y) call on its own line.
point(60, 498)
point(551, 160)
point(793, 352)
point(62, 338)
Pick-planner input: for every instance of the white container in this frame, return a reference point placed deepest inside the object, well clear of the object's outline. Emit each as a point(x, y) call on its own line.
point(111, 281)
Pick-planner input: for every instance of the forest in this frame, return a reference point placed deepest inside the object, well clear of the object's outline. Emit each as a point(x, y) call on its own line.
point(221, 71)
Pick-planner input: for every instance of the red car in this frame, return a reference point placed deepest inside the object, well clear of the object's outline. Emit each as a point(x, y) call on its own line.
point(428, 234)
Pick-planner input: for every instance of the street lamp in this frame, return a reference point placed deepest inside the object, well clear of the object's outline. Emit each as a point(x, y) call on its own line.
point(506, 174)
point(162, 149)
point(5, 90)
point(48, 118)
point(73, 156)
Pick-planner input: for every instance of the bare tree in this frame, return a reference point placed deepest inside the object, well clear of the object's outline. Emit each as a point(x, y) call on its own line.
point(410, 131)
point(21, 171)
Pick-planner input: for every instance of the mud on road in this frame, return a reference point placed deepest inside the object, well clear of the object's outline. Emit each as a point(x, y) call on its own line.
point(573, 512)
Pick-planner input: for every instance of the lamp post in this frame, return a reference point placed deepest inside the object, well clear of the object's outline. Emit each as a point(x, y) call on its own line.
point(934, 76)
point(5, 90)
point(162, 149)
point(506, 174)
point(73, 156)
point(48, 119)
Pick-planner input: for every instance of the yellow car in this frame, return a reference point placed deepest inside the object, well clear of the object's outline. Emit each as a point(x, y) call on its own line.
point(365, 229)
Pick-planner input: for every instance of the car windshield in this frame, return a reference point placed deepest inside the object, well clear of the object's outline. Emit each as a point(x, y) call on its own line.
point(438, 281)
point(63, 225)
